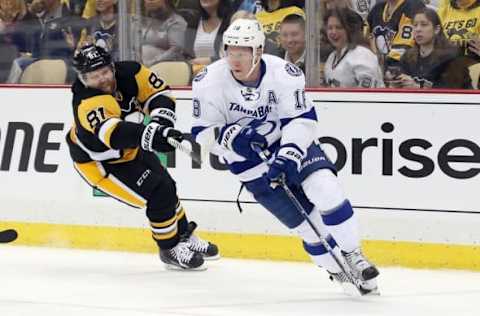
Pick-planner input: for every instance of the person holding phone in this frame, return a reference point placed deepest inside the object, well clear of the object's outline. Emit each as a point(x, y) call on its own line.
point(432, 61)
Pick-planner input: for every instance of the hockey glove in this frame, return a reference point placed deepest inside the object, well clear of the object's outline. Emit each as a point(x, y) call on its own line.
point(286, 166)
point(240, 139)
point(164, 116)
point(154, 137)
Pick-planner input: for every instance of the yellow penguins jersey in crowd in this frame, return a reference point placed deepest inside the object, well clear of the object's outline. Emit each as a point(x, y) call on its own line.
point(270, 21)
point(393, 34)
point(107, 127)
point(460, 23)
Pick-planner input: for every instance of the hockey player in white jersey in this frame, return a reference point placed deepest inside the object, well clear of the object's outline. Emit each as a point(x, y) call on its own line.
point(253, 98)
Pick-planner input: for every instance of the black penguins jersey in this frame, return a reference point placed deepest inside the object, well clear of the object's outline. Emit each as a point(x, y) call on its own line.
point(393, 34)
point(109, 127)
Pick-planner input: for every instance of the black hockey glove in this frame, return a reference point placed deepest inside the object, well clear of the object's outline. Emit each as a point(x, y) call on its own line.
point(164, 116)
point(154, 137)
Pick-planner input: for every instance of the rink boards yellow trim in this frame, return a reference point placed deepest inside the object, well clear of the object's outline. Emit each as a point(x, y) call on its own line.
point(248, 246)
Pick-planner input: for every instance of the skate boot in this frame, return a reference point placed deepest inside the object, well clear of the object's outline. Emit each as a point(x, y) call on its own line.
point(208, 250)
point(363, 270)
point(181, 257)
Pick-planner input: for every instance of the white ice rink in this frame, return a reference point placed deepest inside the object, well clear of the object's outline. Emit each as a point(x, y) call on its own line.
point(43, 281)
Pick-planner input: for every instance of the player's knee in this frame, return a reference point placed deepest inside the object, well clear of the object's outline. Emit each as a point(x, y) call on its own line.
point(323, 190)
point(277, 202)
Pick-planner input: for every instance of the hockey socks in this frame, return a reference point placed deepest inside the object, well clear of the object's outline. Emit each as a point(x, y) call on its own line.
point(342, 223)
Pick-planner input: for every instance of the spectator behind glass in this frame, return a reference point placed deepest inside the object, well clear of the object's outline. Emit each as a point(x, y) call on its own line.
point(77, 7)
point(203, 38)
point(433, 4)
point(274, 11)
point(11, 12)
point(431, 62)
point(292, 39)
point(48, 32)
point(163, 32)
point(390, 27)
point(351, 64)
point(326, 5)
point(362, 7)
point(256, 6)
point(104, 27)
point(461, 22)
point(325, 47)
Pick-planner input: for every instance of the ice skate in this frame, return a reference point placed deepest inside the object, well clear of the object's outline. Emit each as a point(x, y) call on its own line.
point(351, 289)
point(208, 250)
point(181, 257)
point(360, 266)
point(362, 269)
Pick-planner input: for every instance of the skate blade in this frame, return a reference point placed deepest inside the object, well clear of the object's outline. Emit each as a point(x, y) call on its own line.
point(173, 267)
point(211, 258)
point(351, 290)
point(374, 292)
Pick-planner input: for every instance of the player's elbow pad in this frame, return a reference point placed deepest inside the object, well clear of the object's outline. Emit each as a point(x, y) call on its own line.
point(126, 135)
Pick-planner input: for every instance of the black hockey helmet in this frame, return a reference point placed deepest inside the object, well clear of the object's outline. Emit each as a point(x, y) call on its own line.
point(91, 57)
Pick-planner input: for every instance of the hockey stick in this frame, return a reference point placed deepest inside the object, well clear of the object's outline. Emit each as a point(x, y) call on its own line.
point(175, 143)
point(354, 281)
point(8, 235)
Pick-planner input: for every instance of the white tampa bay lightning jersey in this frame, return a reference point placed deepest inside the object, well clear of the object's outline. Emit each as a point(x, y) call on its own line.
point(354, 68)
point(278, 102)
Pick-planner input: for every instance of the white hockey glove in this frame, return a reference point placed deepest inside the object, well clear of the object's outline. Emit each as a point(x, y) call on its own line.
point(240, 139)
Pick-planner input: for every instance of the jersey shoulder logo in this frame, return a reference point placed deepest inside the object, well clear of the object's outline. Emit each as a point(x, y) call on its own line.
point(293, 70)
point(201, 75)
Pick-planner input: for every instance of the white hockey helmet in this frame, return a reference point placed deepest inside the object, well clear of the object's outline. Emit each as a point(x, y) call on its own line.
point(245, 33)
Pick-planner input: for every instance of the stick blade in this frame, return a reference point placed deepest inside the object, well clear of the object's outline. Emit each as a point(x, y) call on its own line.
point(8, 235)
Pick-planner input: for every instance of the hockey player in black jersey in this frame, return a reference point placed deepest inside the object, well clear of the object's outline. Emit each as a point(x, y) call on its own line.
point(114, 151)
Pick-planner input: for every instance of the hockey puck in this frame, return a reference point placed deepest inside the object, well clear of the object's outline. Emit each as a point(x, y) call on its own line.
point(8, 235)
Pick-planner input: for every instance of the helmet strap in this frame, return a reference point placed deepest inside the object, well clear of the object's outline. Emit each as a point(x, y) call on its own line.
point(256, 59)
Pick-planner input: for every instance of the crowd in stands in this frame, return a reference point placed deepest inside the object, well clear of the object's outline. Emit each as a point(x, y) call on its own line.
point(419, 44)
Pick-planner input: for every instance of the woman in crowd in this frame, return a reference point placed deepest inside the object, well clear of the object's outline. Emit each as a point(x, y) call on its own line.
point(163, 32)
point(351, 64)
point(462, 25)
point(432, 61)
point(203, 37)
